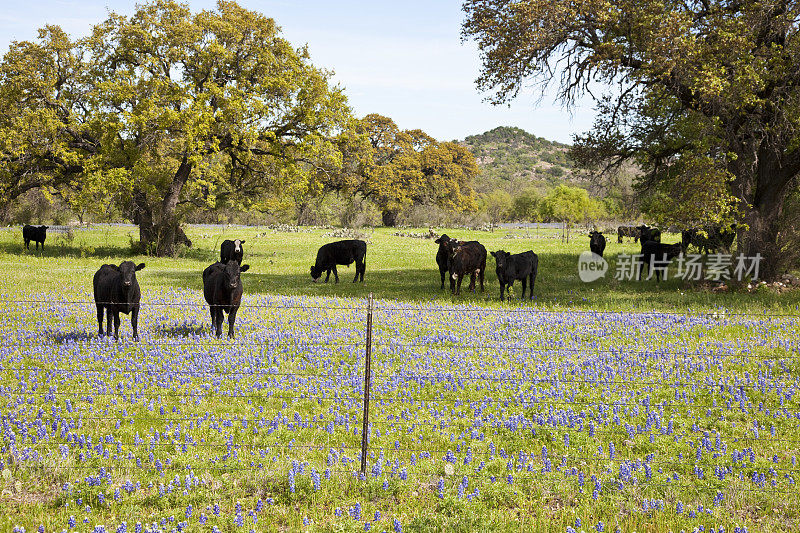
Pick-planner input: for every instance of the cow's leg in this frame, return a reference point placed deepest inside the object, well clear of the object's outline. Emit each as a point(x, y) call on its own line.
point(452, 285)
point(220, 319)
point(99, 320)
point(116, 325)
point(27, 244)
point(217, 321)
point(213, 315)
point(328, 276)
point(480, 276)
point(231, 321)
point(135, 323)
point(335, 274)
point(109, 322)
point(472, 281)
point(533, 279)
point(524, 286)
point(442, 273)
point(502, 291)
point(458, 284)
point(358, 270)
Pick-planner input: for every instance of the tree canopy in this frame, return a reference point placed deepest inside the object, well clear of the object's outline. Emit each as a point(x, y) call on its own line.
point(702, 95)
point(397, 168)
point(166, 109)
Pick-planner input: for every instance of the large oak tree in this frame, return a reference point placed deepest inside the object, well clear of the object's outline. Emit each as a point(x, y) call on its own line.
point(702, 95)
point(166, 110)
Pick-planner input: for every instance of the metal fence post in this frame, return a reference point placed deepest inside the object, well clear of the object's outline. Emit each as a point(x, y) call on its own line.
point(367, 380)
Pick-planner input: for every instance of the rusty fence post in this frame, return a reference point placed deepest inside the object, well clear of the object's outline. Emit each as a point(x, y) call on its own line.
point(367, 380)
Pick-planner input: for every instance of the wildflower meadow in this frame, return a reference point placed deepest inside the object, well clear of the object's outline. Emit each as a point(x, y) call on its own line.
point(516, 417)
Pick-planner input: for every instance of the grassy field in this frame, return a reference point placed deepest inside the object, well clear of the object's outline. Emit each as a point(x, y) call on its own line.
point(398, 268)
point(615, 404)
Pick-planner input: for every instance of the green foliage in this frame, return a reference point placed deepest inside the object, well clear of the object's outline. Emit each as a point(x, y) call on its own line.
point(399, 168)
point(526, 206)
point(168, 111)
point(703, 96)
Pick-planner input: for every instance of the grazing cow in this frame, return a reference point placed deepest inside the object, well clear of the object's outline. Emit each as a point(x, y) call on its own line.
point(36, 234)
point(627, 231)
point(646, 233)
point(222, 289)
point(117, 291)
point(466, 258)
point(340, 253)
point(597, 243)
point(513, 267)
point(655, 252)
point(442, 256)
point(231, 250)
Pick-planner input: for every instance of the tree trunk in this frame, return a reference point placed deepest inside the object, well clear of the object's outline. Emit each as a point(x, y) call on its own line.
point(159, 237)
point(763, 188)
point(389, 217)
point(168, 230)
point(761, 237)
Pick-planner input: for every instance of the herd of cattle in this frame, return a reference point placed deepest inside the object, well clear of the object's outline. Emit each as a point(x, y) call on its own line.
point(708, 239)
point(116, 289)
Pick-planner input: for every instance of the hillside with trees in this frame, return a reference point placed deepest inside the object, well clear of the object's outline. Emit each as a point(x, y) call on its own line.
point(511, 158)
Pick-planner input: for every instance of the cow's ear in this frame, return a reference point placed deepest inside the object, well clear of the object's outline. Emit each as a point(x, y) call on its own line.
point(140, 266)
point(438, 241)
point(242, 241)
point(244, 268)
point(493, 253)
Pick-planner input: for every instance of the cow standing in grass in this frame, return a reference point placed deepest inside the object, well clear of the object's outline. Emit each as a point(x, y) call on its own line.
point(340, 253)
point(442, 255)
point(116, 291)
point(36, 234)
point(466, 258)
point(627, 231)
point(514, 267)
point(222, 289)
point(657, 257)
point(597, 243)
point(231, 250)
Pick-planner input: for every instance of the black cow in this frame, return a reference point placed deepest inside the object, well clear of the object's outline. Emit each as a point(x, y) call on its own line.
point(510, 268)
point(597, 243)
point(340, 253)
point(222, 289)
point(627, 231)
point(36, 234)
point(442, 256)
point(231, 250)
point(466, 258)
point(655, 252)
point(709, 239)
point(116, 291)
point(646, 233)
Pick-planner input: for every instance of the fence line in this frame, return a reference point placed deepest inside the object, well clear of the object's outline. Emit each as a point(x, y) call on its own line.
point(718, 314)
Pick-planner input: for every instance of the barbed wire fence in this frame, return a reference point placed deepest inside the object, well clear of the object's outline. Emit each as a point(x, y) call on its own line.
point(766, 471)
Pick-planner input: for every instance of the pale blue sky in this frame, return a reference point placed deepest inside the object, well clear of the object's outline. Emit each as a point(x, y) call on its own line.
point(404, 62)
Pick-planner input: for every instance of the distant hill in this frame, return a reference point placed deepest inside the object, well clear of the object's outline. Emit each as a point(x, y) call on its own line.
point(512, 159)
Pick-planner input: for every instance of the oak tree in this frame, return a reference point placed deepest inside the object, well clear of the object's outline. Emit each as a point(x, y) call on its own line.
point(702, 95)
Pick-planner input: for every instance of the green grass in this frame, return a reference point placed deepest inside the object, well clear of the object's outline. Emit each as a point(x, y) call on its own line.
point(398, 268)
point(427, 397)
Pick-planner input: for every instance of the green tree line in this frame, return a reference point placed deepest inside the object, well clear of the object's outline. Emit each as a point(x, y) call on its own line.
point(167, 112)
